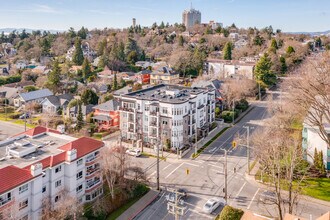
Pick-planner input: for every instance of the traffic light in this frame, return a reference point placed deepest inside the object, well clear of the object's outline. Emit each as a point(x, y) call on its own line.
point(187, 171)
point(234, 144)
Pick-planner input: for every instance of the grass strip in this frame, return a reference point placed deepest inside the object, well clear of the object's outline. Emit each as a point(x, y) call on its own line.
point(200, 150)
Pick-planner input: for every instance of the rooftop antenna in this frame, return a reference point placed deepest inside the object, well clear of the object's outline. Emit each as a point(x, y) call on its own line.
point(191, 5)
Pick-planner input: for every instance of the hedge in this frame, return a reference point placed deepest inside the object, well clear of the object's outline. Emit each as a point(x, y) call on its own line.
point(230, 213)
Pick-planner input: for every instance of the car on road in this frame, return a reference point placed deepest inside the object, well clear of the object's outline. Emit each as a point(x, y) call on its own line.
point(268, 197)
point(134, 152)
point(25, 115)
point(213, 204)
point(182, 196)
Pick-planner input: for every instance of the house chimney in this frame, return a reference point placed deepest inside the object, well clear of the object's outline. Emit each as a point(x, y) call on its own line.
point(36, 169)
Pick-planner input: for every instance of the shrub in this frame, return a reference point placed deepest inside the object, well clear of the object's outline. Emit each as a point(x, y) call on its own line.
point(230, 213)
point(242, 105)
point(228, 116)
point(15, 115)
point(139, 190)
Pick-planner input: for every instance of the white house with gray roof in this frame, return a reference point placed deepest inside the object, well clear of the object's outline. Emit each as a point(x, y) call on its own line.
point(35, 96)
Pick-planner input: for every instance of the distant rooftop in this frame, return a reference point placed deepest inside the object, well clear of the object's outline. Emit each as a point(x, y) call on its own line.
point(168, 93)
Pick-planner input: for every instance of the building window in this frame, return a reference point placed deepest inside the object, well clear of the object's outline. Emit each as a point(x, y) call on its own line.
point(164, 110)
point(43, 189)
point(58, 183)
point(79, 188)
point(79, 162)
point(57, 198)
point(88, 197)
point(23, 188)
point(58, 169)
point(23, 204)
point(79, 175)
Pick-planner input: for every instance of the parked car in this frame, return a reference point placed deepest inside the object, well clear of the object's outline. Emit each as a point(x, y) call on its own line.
point(134, 152)
point(213, 204)
point(25, 115)
point(182, 196)
point(268, 196)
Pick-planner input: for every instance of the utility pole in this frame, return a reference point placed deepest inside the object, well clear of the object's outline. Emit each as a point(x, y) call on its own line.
point(248, 146)
point(196, 138)
point(174, 207)
point(158, 167)
point(259, 91)
point(25, 119)
point(226, 187)
point(233, 112)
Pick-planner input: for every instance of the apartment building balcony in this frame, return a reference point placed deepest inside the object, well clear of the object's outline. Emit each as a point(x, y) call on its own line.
point(6, 202)
point(210, 101)
point(131, 130)
point(92, 173)
point(92, 160)
point(153, 123)
point(93, 185)
point(130, 120)
point(192, 121)
point(154, 135)
point(193, 111)
point(126, 109)
point(153, 113)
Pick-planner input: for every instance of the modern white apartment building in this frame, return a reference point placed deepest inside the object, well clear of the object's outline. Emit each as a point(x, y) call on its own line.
point(191, 17)
point(166, 113)
point(40, 164)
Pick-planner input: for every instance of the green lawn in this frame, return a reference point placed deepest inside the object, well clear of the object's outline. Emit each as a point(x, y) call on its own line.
point(318, 188)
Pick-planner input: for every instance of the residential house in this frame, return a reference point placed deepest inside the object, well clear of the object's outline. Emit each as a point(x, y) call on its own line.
point(20, 85)
point(72, 112)
point(52, 104)
point(164, 75)
point(39, 69)
point(40, 164)
point(21, 64)
point(143, 77)
point(229, 68)
point(166, 112)
point(127, 76)
point(214, 84)
point(34, 96)
point(107, 115)
point(9, 94)
point(144, 64)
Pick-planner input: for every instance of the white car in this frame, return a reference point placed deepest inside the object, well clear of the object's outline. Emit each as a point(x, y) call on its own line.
point(213, 204)
point(134, 152)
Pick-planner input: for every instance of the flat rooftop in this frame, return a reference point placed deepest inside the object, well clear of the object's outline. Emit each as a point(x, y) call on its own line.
point(168, 93)
point(24, 150)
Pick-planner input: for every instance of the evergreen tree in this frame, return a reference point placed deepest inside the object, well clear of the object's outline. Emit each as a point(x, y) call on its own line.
point(162, 25)
point(181, 41)
point(130, 46)
point(80, 117)
point(284, 67)
point(86, 69)
point(132, 57)
point(82, 33)
point(227, 51)
point(114, 83)
point(290, 50)
point(318, 42)
point(78, 56)
point(273, 46)
point(263, 72)
point(321, 164)
point(89, 97)
point(54, 80)
point(316, 157)
point(143, 56)
point(122, 83)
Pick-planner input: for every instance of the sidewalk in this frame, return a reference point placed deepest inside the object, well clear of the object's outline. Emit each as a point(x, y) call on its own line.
point(251, 179)
point(135, 209)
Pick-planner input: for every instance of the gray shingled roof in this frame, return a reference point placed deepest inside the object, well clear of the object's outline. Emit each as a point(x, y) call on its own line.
point(29, 96)
point(111, 105)
point(60, 99)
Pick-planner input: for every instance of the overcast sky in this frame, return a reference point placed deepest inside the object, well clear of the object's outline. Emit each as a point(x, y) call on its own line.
point(288, 15)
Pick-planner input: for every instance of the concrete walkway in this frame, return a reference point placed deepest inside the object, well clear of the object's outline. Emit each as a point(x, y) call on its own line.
point(141, 204)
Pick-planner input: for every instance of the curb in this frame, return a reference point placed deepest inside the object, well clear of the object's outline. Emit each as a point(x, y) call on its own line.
point(145, 205)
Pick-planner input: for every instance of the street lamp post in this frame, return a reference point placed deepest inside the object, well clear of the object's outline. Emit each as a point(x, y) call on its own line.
point(233, 112)
point(248, 146)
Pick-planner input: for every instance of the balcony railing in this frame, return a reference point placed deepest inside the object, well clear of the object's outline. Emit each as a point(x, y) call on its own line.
point(126, 109)
point(91, 159)
point(193, 121)
point(153, 135)
point(5, 201)
point(153, 123)
point(193, 111)
point(154, 113)
point(92, 171)
point(131, 129)
point(92, 184)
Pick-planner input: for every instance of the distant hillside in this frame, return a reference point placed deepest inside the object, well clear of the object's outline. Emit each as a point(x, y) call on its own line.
point(312, 33)
point(9, 30)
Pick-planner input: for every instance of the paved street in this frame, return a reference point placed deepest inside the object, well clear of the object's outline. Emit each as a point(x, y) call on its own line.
point(8, 129)
point(206, 178)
